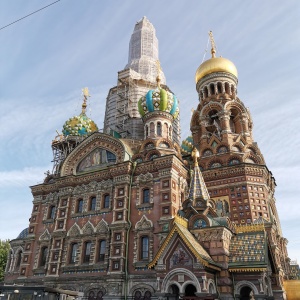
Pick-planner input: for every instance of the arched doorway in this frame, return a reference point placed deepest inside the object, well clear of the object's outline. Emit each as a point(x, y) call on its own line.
point(173, 292)
point(190, 291)
point(246, 293)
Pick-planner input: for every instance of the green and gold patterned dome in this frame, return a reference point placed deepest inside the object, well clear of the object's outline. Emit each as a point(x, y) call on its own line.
point(187, 146)
point(80, 125)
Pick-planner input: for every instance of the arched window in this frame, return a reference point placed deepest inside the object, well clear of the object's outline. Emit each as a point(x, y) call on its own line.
point(87, 252)
point(220, 88)
point(44, 254)
point(106, 201)
point(91, 295)
point(99, 295)
point(144, 247)
point(74, 249)
point(51, 214)
point(147, 295)
point(227, 89)
point(102, 249)
point(212, 89)
point(79, 206)
point(146, 195)
point(158, 129)
point(92, 203)
point(205, 92)
point(137, 295)
point(19, 258)
point(147, 130)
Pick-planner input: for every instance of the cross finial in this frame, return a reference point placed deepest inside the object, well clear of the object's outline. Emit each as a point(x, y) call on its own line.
point(86, 94)
point(213, 45)
point(158, 73)
point(195, 155)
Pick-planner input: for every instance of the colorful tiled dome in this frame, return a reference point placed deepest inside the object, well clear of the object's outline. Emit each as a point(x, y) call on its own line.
point(79, 125)
point(159, 100)
point(187, 145)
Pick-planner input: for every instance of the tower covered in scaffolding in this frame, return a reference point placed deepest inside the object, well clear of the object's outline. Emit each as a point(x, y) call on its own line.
point(122, 118)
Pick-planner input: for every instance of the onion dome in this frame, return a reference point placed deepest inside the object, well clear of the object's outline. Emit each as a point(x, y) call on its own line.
point(159, 100)
point(215, 64)
point(187, 145)
point(80, 125)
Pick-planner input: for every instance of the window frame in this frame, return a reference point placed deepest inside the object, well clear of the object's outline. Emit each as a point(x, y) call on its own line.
point(73, 256)
point(87, 252)
point(144, 247)
point(79, 206)
point(93, 203)
point(101, 250)
point(146, 198)
point(106, 201)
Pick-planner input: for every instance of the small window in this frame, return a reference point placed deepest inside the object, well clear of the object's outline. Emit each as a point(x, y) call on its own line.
point(159, 129)
point(116, 265)
point(87, 252)
point(106, 201)
point(144, 247)
point(165, 210)
point(51, 212)
point(19, 258)
point(146, 196)
point(92, 204)
point(74, 249)
point(117, 237)
point(44, 254)
point(79, 206)
point(119, 215)
point(102, 249)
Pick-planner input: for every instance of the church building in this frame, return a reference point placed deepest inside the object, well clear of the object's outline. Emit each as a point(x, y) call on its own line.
point(131, 213)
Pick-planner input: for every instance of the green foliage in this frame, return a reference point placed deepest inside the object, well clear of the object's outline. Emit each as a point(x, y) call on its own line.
point(4, 249)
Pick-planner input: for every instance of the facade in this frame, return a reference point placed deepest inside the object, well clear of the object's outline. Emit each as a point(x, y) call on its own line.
point(128, 213)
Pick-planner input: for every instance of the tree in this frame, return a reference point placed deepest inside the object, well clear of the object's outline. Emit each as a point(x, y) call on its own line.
point(4, 249)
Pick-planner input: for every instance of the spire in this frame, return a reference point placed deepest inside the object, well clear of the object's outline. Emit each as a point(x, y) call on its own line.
point(198, 190)
point(143, 51)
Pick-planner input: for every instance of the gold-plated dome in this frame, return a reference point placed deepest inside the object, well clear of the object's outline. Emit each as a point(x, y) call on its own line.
point(215, 64)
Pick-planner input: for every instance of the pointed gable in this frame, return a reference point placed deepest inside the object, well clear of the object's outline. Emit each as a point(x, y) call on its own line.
point(180, 227)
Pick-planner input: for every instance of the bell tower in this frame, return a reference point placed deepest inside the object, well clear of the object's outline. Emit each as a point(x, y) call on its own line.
point(234, 170)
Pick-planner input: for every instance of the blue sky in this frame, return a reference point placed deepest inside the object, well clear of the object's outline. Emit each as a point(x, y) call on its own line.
point(48, 57)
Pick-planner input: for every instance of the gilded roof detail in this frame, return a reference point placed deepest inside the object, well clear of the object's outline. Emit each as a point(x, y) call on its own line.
point(191, 242)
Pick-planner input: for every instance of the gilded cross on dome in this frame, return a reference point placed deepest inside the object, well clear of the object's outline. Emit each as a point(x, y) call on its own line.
point(86, 94)
point(195, 155)
point(158, 73)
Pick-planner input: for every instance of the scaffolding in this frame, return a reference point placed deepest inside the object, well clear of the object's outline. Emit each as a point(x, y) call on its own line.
point(61, 147)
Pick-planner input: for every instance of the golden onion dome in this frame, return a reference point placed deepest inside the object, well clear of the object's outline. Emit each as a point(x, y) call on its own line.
point(215, 64)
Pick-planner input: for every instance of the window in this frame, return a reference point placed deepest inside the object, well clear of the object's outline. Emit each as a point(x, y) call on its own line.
point(146, 196)
point(19, 258)
point(44, 254)
point(119, 215)
point(116, 265)
point(73, 256)
point(159, 129)
point(120, 203)
point(92, 203)
point(51, 212)
point(106, 201)
point(144, 247)
point(79, 206)
point(165, 210)
point(121, 192)
point(117, 236)
point(87, 252)
point(102, 248)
